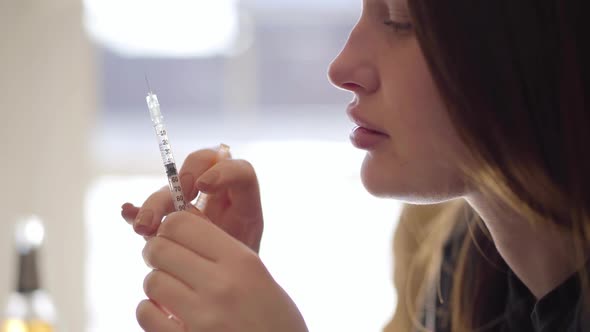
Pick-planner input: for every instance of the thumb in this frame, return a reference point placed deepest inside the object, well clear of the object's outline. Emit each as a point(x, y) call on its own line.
point(237, 178)
point(129, 212)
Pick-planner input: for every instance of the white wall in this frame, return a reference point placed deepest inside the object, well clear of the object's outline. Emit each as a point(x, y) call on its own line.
point(47, 102)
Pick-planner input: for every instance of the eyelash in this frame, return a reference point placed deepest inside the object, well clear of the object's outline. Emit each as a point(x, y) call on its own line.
point(399, 27)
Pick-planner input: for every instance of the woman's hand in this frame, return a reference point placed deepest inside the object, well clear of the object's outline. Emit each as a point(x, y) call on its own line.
point(233, 203)
point(207, 275)
point(206, 281)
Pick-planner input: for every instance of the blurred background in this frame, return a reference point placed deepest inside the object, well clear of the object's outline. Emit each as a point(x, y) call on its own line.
point(78, 142)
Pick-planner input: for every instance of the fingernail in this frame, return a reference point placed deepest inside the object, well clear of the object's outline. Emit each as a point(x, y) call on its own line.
point(127, 213)
point(187, 181)
point(143, 221)
point(207, 180)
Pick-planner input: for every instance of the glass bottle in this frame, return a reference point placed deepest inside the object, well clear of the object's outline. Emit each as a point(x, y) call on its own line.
point(29, 308)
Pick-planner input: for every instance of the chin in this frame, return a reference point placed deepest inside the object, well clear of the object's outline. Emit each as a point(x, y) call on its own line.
point(406, 196)
point(385, 184)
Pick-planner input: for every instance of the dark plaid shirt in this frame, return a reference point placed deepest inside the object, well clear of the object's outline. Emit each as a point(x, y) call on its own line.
point(515, 309)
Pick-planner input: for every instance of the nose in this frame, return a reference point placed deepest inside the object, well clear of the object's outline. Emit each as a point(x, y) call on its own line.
point(353, 69)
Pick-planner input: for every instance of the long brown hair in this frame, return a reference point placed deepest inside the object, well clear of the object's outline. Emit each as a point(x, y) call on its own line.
point(515, 76)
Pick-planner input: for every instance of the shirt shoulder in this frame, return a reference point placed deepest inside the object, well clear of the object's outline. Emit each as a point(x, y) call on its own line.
point(564, 308)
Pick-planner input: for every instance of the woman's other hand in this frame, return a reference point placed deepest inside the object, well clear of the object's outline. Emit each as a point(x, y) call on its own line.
point(233, 203)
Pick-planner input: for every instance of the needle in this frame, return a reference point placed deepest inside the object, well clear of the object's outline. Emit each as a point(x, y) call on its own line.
point(148, 83)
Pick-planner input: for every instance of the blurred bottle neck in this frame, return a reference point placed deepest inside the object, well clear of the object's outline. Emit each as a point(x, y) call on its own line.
point(29, 302)
point(28, 272)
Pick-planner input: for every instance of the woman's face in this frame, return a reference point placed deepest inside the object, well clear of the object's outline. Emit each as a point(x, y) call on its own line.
point(412, 149)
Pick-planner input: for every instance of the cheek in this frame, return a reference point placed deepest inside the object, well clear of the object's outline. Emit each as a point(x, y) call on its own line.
point(420, 164)
point(415, 106)
point(410, 104)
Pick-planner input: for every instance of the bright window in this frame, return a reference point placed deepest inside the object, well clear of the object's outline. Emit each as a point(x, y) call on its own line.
point(326, 241)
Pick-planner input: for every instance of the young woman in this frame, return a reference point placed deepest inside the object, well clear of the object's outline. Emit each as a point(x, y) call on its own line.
point(475, 112)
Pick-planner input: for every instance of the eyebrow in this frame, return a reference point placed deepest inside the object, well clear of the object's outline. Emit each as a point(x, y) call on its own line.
point(398, 7)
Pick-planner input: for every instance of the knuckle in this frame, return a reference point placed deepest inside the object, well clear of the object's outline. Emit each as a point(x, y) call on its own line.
point(176, 223)
point(152, 283)
point(250, 259)
point(142, 313)
point(153, 250)
point(203, 155)
point(245, 173)
point(246, 166)
point(251, 264)
point(170, 224)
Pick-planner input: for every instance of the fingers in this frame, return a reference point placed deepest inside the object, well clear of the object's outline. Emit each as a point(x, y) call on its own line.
point(198, 235)
point(239, 179)
point(170, 293)
point(153, 319)
point(155, 207)
point(193, 167)
point(129, 212)
point(164, 254)
point(146, 219)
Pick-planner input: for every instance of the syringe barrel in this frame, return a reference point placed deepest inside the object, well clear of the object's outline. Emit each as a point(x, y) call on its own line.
point(166, 152)
point(164, 144)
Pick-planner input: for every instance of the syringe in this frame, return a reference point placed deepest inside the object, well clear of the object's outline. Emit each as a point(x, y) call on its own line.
point(165, 150)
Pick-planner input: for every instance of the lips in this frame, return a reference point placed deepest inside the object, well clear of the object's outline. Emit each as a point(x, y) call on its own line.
point(353, 112)
point(365, 136)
